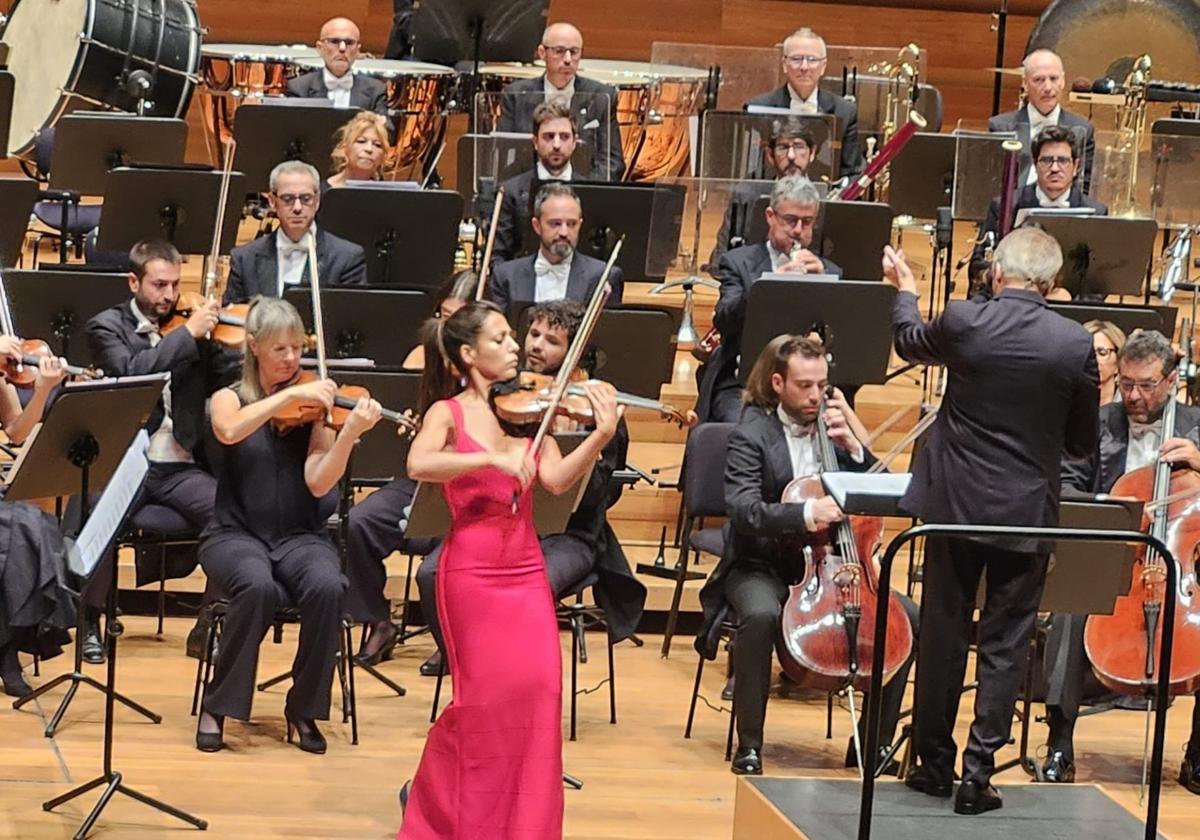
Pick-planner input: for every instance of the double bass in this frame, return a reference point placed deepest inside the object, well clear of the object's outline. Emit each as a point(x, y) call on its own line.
point(826, 631)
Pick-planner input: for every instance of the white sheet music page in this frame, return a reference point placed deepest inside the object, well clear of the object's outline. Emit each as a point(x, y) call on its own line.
point(112, 507)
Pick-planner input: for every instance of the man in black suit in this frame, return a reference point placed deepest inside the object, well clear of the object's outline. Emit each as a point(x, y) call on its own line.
point(791, 216)
point(992, 459)
point(271, 263)
point(594, 105)
point(1044, 84)
point(804, 60)
point(555, 137)
point(557, 270)
point(125, 341)
point(1057, 163)
point(1130, 437)
point(339, 46)
point(589, 543)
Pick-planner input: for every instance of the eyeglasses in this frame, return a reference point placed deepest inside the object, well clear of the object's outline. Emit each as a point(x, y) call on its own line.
point(1104, 352)
point(796, 148)
point(796, 62)
point(339, 43)
point(1049, 161)
point(288, 199)
point(1143, 388)
point(791, 221)
point(561, 52)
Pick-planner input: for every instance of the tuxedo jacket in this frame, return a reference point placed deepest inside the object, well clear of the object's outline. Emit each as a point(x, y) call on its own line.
point(738, 270)
point(515, 214)
point(254, 267)
point(827, 103)
point(1018, 121)
point(519, 99)
point(1026, 198)
point(197, 368)
point(514, 281)
point(368, 93)
point(758, 466)
point(1100, 469)
point(1022, 390)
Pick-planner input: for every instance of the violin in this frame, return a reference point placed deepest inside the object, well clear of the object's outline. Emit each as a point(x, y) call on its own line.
point(23, 372)
point(1124, 647)
point(301, 413)
point(827, 626)
point(231, 320)
point(525, 400)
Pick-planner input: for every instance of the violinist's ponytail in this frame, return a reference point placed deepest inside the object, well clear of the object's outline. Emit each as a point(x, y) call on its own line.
point(444, 340)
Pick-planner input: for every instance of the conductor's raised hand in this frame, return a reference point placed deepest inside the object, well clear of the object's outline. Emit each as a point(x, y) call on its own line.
point(363, 418)
point(896, 270)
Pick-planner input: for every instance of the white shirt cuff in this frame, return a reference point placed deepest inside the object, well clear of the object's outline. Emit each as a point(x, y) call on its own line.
point(810, 524)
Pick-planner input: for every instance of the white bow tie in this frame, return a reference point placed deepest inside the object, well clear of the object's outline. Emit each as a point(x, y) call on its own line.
point(147, 328)
point(345, 82)
point(542, 267)
point(797, 431)
point(290, 249)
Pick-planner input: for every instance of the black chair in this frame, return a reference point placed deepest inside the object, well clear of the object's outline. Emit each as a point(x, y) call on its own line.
point(287, 612)
point(578, 616)
point(726, 630)
point(151, 531)
point(67, 218)
point(703, 483)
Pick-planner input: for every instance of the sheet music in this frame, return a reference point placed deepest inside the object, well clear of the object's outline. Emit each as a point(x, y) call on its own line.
point(112, 508)
point(1026, 213)
point(843, 484)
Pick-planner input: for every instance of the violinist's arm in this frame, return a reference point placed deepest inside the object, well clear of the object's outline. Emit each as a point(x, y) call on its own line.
point(428, 457)
point(18, 422)
point(233, 422)
point(328, 455)
point(559, 472)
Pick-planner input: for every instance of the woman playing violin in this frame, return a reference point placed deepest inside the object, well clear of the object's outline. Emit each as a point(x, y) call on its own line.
point(493, 761)
point(268, 537)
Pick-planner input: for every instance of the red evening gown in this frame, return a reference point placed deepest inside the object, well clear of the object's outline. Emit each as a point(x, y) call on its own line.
point(492, 766)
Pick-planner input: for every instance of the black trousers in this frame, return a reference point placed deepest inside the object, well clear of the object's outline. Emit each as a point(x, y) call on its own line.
point(375, 533)
point(568, 561)
point(758, 595)
point(246, 573)
point(952, 571)
point(1069, 681)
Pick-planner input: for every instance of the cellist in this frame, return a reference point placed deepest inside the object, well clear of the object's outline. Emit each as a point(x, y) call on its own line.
point(1130, 437)
point(775, 442)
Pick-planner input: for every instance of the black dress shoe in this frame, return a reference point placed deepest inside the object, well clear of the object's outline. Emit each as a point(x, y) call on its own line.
point(92, 648)
point(1058, 768)
point(210, 741)
point(919, 778)
point(15, 685)
point(434, 665)
point(746, 762)
point(973, 799)
point(311, 739)
point(1189, 771)
point(727, 691)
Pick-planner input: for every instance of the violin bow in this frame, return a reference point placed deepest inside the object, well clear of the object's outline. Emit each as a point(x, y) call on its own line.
point(208, 287)
point(486, 268)
point(318, 318)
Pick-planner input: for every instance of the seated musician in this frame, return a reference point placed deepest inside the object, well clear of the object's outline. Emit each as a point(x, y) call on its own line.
point(804, 60)
point(589, 544)
point(1131, 436)
point(360, 152)
point(557, 270)
point(1044, 83)
point(272, 263)
point(594, 105)
point(1057, 164)
point(774, 443)
point(790, 219)
point(268, 531)
point(339, 46)
point(125, 340)
point(35, 611)
point(554, 140)
point(790, 148)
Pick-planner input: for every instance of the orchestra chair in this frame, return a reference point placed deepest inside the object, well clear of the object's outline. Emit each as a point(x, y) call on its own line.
point(726, 628)
point(69, 221)
point(151, 530)
point(703, 485)
point(578, 617)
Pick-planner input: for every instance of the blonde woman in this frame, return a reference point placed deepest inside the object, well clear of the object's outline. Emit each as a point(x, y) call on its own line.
point(361, 150)
point(1107, 341)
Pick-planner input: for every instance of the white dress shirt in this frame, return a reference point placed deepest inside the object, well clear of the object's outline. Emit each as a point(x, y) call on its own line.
point(802, 447)
point(803, 106)
point(163, 448)
point(1044, 200)
point(1144, 442)
point(544, 174)
point(550, 279)
point(778, 258)
point(1038, 121)
point(291, 257)
point(338, 88)
point(566, 94)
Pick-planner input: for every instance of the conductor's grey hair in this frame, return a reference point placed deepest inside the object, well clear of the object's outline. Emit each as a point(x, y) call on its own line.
point(1032, 255)
point(805, 32)
point(795, 188)
point(295, 167)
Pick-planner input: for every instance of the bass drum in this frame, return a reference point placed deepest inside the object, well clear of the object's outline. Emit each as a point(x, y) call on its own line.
point(70, 55)
point(1098, 38)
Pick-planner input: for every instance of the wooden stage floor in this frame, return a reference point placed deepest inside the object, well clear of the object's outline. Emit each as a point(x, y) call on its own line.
point(642, 779)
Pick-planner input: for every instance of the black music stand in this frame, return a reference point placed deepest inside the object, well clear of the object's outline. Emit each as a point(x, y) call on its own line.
point(921, 178)
point(17, 197)
point(56, 305)
point(1102, 255)
point(270, 132)
point(1128, 318)
point(87, 145)
point(835, 309)
point(380, 325)
point(177, 205)
point(409, 236)
point(7, 85)
point(381, 454)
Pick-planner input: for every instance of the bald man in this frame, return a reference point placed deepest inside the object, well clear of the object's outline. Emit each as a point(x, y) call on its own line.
point(594, 105)
point(339, 46)
point(1044, 82)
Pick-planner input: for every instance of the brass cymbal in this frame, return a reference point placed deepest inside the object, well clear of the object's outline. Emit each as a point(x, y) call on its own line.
point(1007, 71)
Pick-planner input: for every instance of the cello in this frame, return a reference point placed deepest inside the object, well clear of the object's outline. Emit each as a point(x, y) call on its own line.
point(826, 638)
